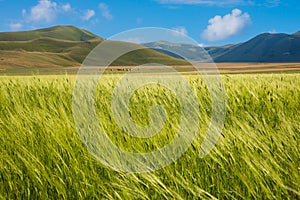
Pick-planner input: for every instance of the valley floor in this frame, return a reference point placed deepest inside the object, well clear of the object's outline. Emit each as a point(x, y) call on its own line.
point(224, 68)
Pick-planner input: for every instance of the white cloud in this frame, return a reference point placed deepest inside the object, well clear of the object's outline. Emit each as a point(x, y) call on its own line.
point(105, 11)
point(220, 28)
point(66, 7)
point(88, 15)
point(44, 11)
point(204, 2)
point(15, 26)
point(180, 31)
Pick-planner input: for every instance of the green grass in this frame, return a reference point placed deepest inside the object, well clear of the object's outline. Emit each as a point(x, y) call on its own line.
point(70, 33)
point(47, 52)
point(257, 156)
point(66, 46)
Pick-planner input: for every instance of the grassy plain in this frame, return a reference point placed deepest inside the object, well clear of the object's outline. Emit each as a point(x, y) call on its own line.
point(257, 156)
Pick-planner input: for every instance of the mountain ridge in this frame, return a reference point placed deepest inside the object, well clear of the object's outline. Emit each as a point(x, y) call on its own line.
point(265, 47)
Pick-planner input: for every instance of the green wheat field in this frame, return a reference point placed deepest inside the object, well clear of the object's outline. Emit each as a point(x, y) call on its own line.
point(256, 157)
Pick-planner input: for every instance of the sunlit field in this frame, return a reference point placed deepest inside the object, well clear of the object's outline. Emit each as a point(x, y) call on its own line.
point(256, 157)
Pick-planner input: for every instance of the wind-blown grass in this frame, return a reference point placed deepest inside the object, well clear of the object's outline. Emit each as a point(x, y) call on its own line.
point(257, 157)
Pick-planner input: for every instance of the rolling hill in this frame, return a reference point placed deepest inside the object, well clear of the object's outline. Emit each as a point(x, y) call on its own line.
point(70, 33)
point(64, 46)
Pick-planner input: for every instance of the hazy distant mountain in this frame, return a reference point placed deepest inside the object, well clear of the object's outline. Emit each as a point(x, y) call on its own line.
point(60, 46)
point(297, 33)
point(188, 51)
point(266, 47)
point(217, 51)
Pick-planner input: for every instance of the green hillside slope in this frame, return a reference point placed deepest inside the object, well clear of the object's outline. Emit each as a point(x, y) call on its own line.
point(57, 32)
point(63, 46)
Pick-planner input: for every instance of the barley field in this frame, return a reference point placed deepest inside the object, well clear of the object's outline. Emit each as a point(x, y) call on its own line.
point(256, 157)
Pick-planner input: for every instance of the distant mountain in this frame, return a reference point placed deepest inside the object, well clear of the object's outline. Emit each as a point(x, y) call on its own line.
point(297, 33)
point(182, 51)
point(217, 51)
point(266, 47)
point(61, 46)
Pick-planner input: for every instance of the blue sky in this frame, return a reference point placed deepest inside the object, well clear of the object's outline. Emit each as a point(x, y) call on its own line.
point(209, 22)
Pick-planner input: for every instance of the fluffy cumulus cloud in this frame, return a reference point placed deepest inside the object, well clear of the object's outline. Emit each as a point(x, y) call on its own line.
point(105, 11)
point(88, 15)
point(47, 11)
point(220, 28)
point(44, 11)
point(15, 26)
point(180, 31)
